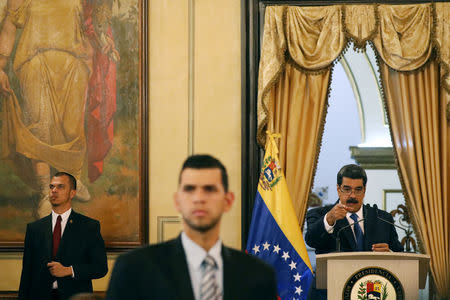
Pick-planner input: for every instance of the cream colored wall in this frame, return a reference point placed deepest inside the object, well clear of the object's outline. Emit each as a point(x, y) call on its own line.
point(192, 109)
point(197, 89)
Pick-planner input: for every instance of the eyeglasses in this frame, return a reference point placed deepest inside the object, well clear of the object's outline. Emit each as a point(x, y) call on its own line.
point(348, 190)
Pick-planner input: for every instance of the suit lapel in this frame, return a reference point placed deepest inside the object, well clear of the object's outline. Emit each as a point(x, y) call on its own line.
point(369, 227)
point(347, 235)
point(179, 271)
point(230, 286)
point(68, 235)
point(47, 235)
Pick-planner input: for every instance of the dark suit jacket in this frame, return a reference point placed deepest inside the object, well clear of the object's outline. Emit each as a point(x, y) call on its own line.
point(81, 247)
point(161, 272)
point(375, 231)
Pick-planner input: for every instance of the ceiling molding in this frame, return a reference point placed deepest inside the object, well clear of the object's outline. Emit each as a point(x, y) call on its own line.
point(374, 157)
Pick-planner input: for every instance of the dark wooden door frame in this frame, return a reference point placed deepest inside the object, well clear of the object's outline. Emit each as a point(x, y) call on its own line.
point(252, 14)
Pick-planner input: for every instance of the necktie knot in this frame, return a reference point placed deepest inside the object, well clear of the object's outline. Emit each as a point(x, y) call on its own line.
point(59, 219)
point(354, 217)
point(209, 261)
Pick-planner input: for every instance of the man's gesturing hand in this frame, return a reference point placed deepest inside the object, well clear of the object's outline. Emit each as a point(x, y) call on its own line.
point(336, 213)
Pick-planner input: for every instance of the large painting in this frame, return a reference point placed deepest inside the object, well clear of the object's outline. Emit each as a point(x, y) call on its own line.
point(73, 96)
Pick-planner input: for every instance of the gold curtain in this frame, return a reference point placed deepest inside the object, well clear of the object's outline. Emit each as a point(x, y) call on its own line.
point(417, 112)
point(417, 104)
point(300, 44)
point(294, 97)
point(298, 102)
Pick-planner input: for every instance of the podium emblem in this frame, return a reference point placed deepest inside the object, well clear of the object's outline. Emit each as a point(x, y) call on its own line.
point(373, 283)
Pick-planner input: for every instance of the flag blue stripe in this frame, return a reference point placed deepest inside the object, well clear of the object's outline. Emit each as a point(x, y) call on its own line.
point(264, 230)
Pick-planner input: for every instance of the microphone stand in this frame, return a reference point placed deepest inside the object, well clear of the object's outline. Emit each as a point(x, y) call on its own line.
point(338, 237)
point(407, 231)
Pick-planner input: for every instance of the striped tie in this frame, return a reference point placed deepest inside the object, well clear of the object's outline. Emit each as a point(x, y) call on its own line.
point(208, 287)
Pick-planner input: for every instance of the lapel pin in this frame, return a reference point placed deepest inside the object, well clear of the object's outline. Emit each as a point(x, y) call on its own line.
point(71, 221)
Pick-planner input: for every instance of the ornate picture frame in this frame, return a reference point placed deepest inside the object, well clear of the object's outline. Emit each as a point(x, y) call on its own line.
point(112, 185)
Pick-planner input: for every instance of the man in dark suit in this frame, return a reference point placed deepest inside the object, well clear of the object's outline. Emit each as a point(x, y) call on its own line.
point(63, 251)
point(370, 231)
point(195, 265)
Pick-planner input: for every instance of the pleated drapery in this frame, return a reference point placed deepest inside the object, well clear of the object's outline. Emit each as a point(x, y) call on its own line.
point(420, 133)
point(298, 117)
point(300, 46)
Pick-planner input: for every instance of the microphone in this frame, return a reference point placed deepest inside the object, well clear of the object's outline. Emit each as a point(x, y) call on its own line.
point(389, 222)
point(407, 232)
point(338, 237)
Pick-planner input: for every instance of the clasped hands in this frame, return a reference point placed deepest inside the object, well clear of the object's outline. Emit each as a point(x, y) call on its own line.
point(338, 212)
point(58, 270)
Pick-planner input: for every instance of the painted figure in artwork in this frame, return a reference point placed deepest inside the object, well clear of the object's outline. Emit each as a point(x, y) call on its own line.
point(65, 62)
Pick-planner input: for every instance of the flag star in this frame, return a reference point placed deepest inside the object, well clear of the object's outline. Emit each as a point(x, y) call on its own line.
point(297, 277)
point(298, 290)
point(266, 246)
point(293, 265)
point(256, 249)
point(285, 255)
point(276, 249)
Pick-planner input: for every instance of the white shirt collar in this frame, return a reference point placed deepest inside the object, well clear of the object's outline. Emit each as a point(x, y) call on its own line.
point(359, 213)
point(64, 218)
point(196, 254)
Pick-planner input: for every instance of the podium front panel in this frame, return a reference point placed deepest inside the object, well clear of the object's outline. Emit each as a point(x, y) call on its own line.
point(341, 270)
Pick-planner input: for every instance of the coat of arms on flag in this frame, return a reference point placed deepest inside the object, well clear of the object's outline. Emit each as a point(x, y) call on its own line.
point(275, 234)
point(271, 173)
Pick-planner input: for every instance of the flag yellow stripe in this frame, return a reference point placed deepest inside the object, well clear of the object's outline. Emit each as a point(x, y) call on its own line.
point(279, 202)
point(283, 212)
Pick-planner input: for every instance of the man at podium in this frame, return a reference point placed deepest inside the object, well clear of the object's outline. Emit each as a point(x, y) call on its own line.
point(348, 225)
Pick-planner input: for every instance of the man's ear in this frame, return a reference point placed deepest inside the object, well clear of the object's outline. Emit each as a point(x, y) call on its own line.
point(72, 194)
point(229, 200)
point(175, 201)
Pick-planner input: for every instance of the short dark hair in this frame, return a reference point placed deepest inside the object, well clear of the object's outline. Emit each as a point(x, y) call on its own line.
point(205, 161)
point(352, 171)
point(72, 180)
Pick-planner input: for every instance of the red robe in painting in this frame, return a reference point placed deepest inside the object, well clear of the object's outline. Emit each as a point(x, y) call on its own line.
point(101, 101)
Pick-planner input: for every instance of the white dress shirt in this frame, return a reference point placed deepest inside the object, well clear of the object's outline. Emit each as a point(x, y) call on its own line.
point(195, 256)
point(64, 219)
point(359, 213)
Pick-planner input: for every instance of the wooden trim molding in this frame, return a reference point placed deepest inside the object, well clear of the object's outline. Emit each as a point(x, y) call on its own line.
point(162, 222)
point(374, 157)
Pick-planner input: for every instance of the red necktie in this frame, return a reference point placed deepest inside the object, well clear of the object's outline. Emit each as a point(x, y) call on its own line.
point(56, 236)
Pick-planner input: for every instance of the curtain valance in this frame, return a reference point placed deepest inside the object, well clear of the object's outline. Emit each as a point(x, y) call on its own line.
point(312, 38)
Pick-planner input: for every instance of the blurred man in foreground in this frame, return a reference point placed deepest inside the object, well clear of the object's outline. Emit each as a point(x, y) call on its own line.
point(196, 265)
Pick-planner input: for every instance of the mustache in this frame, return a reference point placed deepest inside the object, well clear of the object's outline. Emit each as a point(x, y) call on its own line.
point(352, 200)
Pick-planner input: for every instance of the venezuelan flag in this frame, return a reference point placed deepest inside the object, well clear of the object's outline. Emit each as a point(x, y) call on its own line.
point(275, 235)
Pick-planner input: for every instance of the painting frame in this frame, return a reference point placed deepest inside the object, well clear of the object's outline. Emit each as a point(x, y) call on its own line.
point(142, 136)
point(387, 194)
